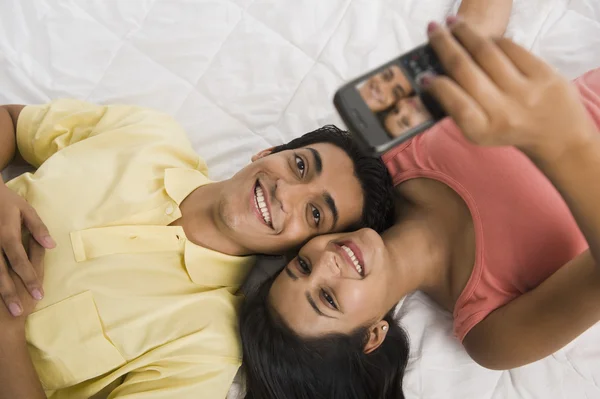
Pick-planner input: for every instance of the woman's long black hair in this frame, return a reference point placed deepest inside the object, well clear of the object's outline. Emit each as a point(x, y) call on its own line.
point(278, 364)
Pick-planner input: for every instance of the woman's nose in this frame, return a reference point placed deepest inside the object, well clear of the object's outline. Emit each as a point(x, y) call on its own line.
point(328, 266)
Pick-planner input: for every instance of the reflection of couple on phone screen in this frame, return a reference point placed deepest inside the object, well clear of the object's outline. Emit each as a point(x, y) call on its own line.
point(391, 97)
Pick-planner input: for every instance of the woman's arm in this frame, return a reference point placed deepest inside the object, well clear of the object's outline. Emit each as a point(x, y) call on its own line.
point(540, 322)
point(488, 17)
point(544, 320)
point(502, 95)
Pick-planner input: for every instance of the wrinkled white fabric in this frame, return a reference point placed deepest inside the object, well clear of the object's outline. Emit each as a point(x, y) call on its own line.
point(243, 75)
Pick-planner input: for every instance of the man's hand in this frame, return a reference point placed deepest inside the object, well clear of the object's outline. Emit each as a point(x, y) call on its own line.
point(35, 254)
point(16, 267)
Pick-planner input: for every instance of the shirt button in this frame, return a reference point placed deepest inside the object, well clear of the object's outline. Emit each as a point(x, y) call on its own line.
point(169, 210)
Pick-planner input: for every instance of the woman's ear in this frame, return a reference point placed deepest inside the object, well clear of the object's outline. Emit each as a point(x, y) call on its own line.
point(262, 154)
point(377, 334)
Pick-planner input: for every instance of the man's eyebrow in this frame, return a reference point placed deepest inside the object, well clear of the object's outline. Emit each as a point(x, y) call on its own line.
point(331, 204)
point(315, 307)
point(317, 160)
point(289, 273)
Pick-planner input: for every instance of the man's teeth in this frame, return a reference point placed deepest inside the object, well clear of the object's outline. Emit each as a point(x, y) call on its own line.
point(261, 205)
point(354, 259)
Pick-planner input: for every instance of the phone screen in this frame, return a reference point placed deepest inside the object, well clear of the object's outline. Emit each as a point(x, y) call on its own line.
point(387, 106)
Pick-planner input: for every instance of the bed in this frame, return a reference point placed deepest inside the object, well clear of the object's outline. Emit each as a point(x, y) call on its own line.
point(243, 75)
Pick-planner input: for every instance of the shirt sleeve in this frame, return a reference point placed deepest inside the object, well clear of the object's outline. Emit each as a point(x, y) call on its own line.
point(181, 380)
point(43, 130)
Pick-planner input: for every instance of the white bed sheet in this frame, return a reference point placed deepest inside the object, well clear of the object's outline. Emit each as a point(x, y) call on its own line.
point(242, 75)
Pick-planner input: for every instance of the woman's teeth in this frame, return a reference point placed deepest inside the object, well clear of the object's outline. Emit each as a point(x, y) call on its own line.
point(261, 205)
point(350, 253)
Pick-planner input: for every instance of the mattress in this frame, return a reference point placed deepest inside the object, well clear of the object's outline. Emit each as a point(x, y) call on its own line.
point(243, 75)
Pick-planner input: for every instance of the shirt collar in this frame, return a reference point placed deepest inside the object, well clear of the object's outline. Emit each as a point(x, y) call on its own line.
point(205, 266)
point(180, 182)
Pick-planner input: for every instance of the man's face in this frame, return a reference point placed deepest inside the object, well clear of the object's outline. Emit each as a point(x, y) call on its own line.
point(384, 89)
point(281, 200)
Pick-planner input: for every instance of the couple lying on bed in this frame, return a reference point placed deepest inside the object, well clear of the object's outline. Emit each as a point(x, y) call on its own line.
point(496, 219)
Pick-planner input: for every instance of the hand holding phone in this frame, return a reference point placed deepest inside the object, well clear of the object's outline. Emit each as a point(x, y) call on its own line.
point(498, 93)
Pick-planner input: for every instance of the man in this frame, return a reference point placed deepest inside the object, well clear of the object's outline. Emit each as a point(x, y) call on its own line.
point(145, 254)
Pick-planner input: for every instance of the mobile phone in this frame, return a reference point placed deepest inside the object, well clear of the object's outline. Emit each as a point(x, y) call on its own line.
point(386, 106)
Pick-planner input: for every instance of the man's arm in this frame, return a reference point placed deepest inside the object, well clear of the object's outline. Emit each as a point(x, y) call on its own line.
point(9, 114)
point(18, 378)
point(489, 17)
point(15, 212)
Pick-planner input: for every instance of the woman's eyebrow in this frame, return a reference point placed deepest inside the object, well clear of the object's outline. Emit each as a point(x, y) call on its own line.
point(315, 307)
point(291, 274)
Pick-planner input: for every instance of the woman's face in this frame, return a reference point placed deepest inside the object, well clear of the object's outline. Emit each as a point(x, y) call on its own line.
point(337, 283)
point(406, 114)
point(384, 89)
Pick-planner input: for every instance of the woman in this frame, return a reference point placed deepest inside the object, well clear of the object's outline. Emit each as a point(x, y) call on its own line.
point(406, 114)
point(505, 234)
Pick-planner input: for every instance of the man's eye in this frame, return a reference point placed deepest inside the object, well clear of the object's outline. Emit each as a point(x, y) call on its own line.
point(303, 265)
point(388, 74)
point(300, 165)
point(329, 299)
point(316, 215)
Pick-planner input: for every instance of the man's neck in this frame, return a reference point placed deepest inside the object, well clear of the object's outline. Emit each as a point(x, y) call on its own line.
point(199, 212)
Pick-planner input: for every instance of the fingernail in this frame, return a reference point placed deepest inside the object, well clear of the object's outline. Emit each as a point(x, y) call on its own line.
point(15, 309)
point(451, 20)
point(49, 242)
point(432, 27)
point(37, 294)
point(425, 79)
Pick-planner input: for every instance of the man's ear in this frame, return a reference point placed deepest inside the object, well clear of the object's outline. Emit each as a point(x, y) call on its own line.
point(377, 334)
point(262, 154)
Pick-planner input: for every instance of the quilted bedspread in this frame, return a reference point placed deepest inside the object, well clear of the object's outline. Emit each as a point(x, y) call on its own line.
point(243, 75)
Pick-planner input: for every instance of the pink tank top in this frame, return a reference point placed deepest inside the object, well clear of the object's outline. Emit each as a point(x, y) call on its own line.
point(524, 231)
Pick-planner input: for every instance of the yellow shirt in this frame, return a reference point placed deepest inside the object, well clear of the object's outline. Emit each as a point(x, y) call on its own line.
point(128, 299)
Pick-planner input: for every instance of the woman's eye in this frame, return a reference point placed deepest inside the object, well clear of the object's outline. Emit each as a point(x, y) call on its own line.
point(304, 268)
point(300, 165)
point(316, 215)
point(398, 92)
point(329, 299)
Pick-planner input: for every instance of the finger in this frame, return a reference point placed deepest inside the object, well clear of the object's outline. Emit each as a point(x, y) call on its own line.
point(36, 227)
point(459, 65)
point(527, 63)
point(488, 56)
point(36, 256)
point(20, 264)
point(467, 113)
point(8, 291)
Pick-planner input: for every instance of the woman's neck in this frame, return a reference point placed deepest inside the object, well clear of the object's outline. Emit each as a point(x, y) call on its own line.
point(432, 242)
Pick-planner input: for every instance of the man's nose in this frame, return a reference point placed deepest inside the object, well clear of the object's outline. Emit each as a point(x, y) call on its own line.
point(289, 194)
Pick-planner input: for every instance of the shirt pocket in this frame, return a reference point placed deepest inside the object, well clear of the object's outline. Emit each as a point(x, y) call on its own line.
point(68, 345)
